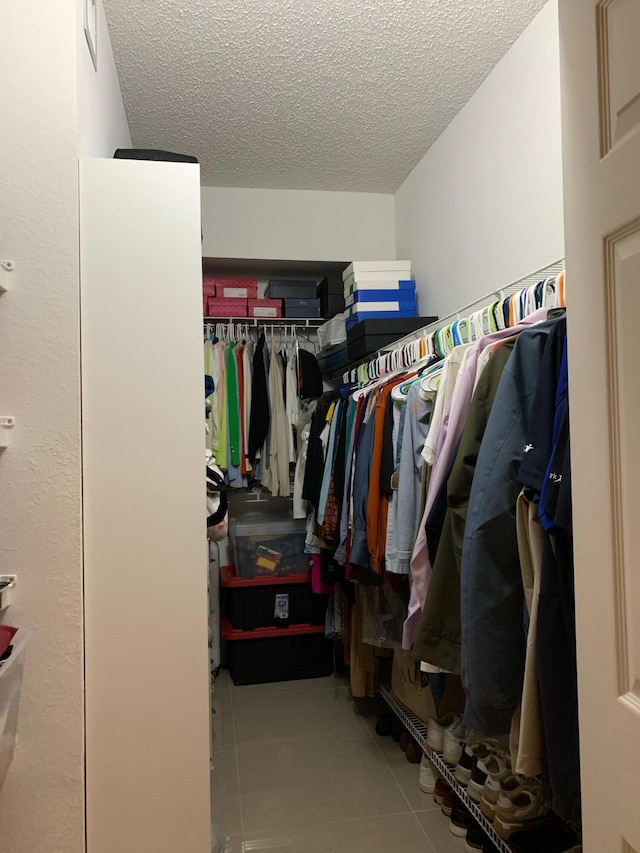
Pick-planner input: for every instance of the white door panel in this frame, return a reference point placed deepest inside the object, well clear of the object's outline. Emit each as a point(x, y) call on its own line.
point(600, 64)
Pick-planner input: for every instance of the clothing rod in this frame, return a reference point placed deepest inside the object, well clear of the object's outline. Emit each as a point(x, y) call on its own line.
point(543, 273)
point(550, 271)
point(279, 322)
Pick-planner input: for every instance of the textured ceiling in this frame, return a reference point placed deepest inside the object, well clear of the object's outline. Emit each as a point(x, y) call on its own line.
point(305, 94)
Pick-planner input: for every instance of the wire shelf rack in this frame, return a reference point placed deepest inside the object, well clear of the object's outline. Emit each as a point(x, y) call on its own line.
point(419, 731)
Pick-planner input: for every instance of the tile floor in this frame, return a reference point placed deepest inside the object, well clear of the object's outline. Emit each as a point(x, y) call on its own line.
point(296, 770)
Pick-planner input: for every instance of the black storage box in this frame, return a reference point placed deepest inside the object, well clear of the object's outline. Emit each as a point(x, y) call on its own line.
point(152, 154)
point(277, 289)
point(251, 603)
point(334, 357)
point(331, 295)
point(369, 336)
point(272, 654)
point(301, 307)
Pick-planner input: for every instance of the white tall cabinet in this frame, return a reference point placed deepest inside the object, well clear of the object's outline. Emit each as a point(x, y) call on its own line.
point(147, 693)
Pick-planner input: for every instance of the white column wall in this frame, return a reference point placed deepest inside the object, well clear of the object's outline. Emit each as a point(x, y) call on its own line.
point(147, 687)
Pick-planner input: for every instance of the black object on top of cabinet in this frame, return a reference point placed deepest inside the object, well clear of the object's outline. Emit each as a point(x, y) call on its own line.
point(152, 154)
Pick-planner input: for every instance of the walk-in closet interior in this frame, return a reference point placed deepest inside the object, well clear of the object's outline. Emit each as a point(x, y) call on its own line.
point(318, 426)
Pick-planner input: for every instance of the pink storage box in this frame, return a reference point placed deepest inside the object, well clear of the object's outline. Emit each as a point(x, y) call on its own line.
point(209, 285)
point(227, 307)
point(236, 288)
point(269, 308)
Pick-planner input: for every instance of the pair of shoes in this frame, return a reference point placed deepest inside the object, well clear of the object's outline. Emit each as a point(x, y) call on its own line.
point(428, 778)
point(499, 778)
point(519, 802)
point(461, 821)
point(414, 752)
point(410, 748)
point(384, 724)
point(396, 729)
point(444, 736)
point(546, 833)
point(444, 796)
point(495, 767)
point(476, 841)
point(470, 755)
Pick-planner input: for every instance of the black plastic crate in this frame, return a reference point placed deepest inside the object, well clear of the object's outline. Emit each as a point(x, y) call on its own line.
point(270, 654)
point(251, 603)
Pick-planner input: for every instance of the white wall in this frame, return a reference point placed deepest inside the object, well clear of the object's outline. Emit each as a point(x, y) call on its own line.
point(484, 206)
point(297, 225)
point(102, 121)
point(42, 800)
point(50, 105)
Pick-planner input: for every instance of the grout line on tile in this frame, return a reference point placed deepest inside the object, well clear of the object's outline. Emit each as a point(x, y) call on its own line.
point(235, 750)
point(369, 817)
point(424, 832)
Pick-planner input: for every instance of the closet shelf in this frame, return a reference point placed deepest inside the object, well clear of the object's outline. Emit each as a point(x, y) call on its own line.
point(282, 322)
point(418, 730)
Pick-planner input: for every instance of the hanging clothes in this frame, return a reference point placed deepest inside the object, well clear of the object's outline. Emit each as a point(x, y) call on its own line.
point(493, 650)
point(438, 640)
point(451, 431)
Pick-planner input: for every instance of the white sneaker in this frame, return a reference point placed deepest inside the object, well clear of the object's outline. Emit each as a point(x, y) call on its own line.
point(427, 780)
point(452, 742)
point(436, 729)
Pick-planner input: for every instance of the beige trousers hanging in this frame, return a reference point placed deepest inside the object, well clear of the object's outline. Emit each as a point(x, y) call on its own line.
point(526, 730)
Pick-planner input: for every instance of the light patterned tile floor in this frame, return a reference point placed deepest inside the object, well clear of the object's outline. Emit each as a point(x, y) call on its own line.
point(296, 770)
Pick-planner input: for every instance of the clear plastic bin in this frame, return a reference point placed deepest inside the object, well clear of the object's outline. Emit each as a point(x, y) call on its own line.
point(267, 544)
point(10, 686)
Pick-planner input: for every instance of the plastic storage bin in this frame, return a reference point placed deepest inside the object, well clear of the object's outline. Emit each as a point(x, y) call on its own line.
point(251, 603)
point(267, 545)
point(272, 654)
point(10, 686)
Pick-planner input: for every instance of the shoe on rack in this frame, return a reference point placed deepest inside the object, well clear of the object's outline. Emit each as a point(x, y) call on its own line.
point(452, 742)
point(547, 833)
point(494, 786)
point(460, 820)
point(470, 754)
point(496, 766)
point(449, 801)
point(414, 752)
point(384, 724)
point(428, 778)
point(396, 729)
point(436, 729)
point(405, 740)
point(440, 790)
point(513, 811)
point(475, 840)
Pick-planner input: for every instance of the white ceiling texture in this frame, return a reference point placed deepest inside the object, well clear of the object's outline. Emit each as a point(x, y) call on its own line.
point(305, 94)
